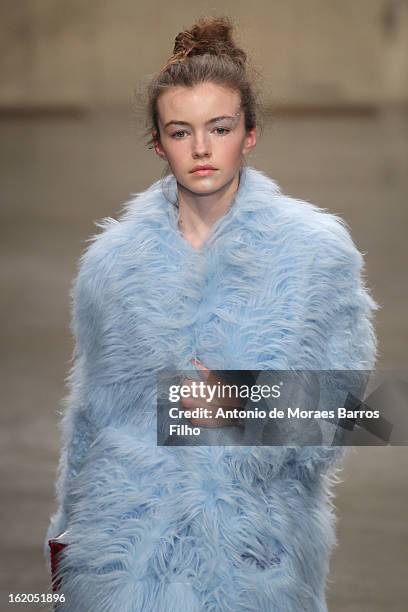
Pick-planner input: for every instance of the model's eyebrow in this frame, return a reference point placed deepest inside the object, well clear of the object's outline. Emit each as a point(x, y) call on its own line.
point(221, 118)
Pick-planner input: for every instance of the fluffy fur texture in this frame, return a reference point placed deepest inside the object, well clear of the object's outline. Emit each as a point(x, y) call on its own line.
point(279, 284)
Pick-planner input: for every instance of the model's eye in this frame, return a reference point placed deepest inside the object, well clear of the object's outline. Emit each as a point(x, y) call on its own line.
point(222, 131)
point(180, 134)
point(177, 136)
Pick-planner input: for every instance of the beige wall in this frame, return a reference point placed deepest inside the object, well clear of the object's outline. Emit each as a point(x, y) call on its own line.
point(93, 52)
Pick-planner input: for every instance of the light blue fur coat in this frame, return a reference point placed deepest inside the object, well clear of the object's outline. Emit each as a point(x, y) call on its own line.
point(279, 284)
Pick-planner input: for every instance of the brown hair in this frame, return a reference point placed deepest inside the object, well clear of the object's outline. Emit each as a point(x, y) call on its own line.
point(205, 52)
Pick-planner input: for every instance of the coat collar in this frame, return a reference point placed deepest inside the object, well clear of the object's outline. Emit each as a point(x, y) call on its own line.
point(255, 197)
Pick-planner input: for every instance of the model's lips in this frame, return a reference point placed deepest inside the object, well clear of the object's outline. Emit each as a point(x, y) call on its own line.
point(203, 170)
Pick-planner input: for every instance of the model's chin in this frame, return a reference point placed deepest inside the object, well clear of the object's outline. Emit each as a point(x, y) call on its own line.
point(198, 181)
point(202, 185)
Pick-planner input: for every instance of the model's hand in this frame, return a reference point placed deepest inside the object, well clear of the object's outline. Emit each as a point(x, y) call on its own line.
point(190, 403)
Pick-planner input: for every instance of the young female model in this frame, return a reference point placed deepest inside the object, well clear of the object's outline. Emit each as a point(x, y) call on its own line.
point(211, 268)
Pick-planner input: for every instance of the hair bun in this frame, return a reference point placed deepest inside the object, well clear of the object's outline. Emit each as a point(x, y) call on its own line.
point(208, 35)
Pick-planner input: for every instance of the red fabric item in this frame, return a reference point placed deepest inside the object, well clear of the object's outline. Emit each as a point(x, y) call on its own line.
point(55, 547)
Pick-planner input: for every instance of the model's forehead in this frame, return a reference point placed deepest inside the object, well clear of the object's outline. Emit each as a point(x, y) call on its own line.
point(200, 102)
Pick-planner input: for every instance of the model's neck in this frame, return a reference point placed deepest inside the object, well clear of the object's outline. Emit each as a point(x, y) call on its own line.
point(198, 213)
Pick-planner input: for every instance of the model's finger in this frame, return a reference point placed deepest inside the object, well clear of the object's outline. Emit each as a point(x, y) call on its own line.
point(206, 373)
point(199, 364)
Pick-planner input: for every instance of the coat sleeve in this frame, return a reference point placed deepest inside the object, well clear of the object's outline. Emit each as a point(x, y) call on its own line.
point(337, 332)
point(78, 425)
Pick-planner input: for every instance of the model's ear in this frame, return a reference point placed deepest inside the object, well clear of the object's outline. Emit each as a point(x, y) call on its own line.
point(158, 146)
point(250, 141)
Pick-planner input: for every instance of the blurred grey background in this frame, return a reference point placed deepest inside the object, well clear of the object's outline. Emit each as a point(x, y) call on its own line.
point(335, 80)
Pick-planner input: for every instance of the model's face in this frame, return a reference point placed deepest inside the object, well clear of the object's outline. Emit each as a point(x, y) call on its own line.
point(203, 125)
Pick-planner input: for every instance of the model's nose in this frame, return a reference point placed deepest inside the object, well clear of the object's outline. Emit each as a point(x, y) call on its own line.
point(201, 146)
